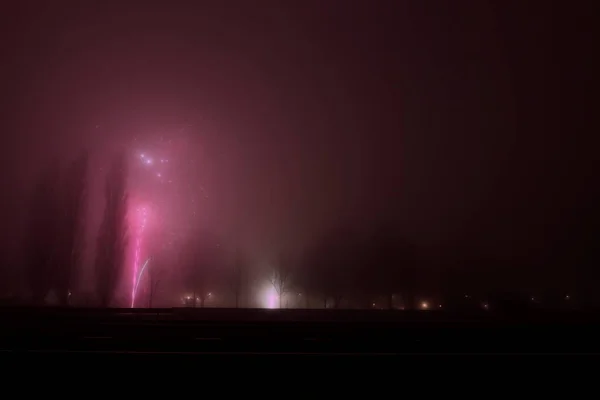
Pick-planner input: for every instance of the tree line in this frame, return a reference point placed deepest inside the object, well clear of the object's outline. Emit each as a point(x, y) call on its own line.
point(347, 267)
point(55, 241)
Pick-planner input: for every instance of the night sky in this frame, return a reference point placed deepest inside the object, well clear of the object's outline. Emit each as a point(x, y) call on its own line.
point(460, 123)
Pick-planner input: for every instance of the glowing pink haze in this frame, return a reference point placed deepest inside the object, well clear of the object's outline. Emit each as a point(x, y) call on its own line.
point(142, 213)
point(140, 276)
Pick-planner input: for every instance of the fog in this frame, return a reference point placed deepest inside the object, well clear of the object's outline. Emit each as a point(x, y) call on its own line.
point(396, 143)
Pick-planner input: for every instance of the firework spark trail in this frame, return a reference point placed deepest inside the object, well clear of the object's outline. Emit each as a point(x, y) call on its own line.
point(135, 263)
point(139, 278)
point(138, 249)
point(166, 164)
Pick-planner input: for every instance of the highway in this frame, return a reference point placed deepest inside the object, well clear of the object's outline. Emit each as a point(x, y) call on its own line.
point(308, 332)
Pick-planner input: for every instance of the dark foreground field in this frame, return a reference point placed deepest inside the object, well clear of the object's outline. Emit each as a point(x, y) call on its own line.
point(339, 332)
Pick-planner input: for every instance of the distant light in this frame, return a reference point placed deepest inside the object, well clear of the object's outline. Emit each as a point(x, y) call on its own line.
point(532, 298)
point(440, 306)
point(272, 301)
point(299, 294)
point(269, 298)
point(209, 293)
point(373, 304)
point(485, 306)
point(424, 305)
point(567, 297)
point(159, 174)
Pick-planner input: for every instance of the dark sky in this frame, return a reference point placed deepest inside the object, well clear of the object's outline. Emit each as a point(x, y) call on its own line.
point(459, 122)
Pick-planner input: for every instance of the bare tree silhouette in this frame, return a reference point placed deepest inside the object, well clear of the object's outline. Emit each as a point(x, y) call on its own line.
point(338, 265)
point(280, 278)
point(42, 237)
point(200, 282)
point(306, 279)
point(392, 267)
point(237, 276)
point(155, 275)
point(73, 209)
point(320, 277)
point(112, 238)
point(200, 262)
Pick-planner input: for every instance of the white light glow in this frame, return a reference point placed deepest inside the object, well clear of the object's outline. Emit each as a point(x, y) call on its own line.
point(269, 297)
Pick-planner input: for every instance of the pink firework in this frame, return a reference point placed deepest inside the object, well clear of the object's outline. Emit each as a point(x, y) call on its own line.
point(142, 213)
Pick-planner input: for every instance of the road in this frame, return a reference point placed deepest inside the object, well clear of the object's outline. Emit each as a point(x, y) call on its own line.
point(279, 332)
